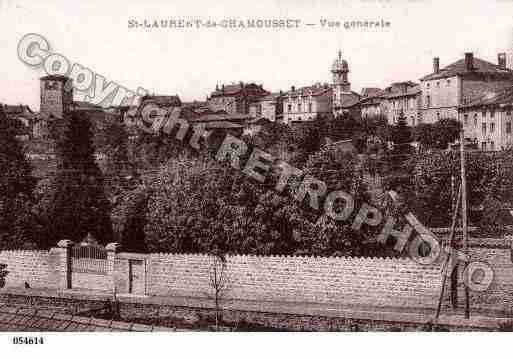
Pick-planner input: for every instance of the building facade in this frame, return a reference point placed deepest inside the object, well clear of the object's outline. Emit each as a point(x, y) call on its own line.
point(306, 103)
point(487, 120)
point(269, 107)
point(400, 98)
point(235, 98)
point(444, 90)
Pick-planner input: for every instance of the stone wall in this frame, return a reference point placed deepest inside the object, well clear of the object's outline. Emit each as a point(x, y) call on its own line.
point(352, 281)
point(337, 280)
point(31, 267)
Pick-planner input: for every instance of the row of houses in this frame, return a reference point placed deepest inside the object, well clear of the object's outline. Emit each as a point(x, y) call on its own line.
point(474, 91)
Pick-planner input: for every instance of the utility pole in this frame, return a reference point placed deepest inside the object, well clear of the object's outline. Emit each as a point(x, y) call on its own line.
point(464, 218)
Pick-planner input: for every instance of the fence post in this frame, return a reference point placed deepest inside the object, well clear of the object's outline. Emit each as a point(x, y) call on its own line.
point(111, 259)
point(64, 267)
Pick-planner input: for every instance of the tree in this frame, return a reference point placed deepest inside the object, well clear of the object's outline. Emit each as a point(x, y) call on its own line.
point(79, 204)
point(397, 172)
point(439, 134)
point(119, 169)
point(218, 282)
point(133, 238)
point(16, 190)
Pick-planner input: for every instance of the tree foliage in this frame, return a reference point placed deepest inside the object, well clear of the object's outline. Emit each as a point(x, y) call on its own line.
point(16, 190)
point(79, 204)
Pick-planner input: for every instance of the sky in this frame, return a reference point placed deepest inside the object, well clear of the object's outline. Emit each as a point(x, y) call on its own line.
point(190, 62)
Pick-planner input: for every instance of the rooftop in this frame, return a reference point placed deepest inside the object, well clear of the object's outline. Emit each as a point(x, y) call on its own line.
point(459, 68)
point(162, 100)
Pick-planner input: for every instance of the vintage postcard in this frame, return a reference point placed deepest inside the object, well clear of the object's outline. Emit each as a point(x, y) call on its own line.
point(269, 166)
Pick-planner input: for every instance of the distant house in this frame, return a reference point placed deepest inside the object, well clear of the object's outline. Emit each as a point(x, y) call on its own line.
point(306, 103)
point(487, 120)
point(25, 116)
point(235, 98)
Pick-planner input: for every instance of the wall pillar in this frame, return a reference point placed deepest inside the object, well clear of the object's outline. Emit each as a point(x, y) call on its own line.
point(112, 248)
point(61, 263)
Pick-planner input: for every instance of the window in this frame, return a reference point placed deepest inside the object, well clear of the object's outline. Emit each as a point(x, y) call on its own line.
point(448, 83)
point(298, 107)
point(428, 85)
point(465, 119)
point(483, 112)
point(438, 115)
point(438, 84)
point(492, 146)
point(310, 107)
point(508, 127)
point(483, 128)
point(492, 127)
point(428, 101)
point(289, 108)
point(483, 146)
point(413, 121)
point(508, 113)
point(475, 120)
point(299, 118)
point(492, 113)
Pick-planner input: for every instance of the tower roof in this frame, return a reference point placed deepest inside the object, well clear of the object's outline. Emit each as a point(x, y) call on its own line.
point(339, 64)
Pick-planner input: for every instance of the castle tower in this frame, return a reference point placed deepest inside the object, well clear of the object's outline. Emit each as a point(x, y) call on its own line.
point(56, 98)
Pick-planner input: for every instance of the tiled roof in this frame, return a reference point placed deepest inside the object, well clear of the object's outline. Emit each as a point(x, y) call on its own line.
point(162, 100)
point(24, 319)
point(314, 90)
point(222, 117)
point(234, 89)
point(503, 96)
point(458, 68)
point(371, 92)
point(410, 91)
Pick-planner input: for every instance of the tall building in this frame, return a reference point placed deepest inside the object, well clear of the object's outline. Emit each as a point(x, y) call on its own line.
point(445, 89)
point(344, 100)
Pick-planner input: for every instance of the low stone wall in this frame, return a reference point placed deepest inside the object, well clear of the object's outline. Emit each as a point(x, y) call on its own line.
point(31, 267)
point(346, 281)
point(355, 281)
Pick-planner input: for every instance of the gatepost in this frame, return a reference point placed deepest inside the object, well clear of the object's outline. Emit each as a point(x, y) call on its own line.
point(111, 259)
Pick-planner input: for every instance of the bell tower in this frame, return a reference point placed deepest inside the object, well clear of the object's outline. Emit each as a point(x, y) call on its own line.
point(56, 96)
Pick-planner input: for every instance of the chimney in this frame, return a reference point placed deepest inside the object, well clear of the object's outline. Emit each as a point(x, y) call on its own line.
point(222, 88)
point(293, 88)
point(501, 60)
point(436, 65)
point(469, 61)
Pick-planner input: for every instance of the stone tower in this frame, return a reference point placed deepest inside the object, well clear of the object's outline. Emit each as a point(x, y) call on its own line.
point(56, 99)
point(341, 84)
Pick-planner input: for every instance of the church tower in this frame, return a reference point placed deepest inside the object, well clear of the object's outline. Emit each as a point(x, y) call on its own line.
point(56, 97)
point(341, 85)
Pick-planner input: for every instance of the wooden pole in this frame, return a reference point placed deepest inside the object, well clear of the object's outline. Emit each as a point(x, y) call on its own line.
point(449, 255)
point(464, 217)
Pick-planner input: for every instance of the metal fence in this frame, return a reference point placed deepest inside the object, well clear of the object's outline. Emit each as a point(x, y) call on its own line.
point(89, 259)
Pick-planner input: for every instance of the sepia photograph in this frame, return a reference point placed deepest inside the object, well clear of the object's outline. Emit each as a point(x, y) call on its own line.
point(240, 169)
